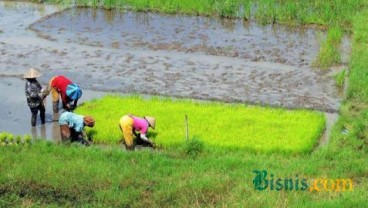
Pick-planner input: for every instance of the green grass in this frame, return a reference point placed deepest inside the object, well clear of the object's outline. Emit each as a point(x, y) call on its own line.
point(47, 175)
point(340, 78)
point(223, 125)
point(340, 12)
point(329, 53)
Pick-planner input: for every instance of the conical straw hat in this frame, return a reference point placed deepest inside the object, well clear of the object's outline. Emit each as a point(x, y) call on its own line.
point(32, 73)
point(151, 121)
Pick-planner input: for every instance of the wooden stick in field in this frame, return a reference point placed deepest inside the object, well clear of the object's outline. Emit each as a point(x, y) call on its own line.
point(186, 128)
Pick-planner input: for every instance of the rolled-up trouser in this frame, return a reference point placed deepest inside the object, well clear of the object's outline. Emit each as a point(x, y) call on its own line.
point(126, 126)
point(54, 92)
point(34, 111)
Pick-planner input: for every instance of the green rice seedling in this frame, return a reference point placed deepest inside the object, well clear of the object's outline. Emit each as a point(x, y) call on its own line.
point(227, 8)
point(10, 139)
point(18, 139)
point(222, 125)
point(27, 138)
point(266, 12)
point(3, 136)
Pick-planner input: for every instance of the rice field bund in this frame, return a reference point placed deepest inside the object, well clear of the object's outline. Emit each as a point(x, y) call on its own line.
point(257, 103)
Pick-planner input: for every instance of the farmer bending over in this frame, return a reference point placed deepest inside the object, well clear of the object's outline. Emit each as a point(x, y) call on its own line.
point(72, 125)
point(130, 124)
point(68, 92)
point(35, 95)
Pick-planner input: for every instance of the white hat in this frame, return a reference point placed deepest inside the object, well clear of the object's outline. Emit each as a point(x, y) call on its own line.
point(32, 73)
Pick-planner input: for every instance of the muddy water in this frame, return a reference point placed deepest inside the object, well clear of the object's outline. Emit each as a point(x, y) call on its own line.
point(182, 56)
point(235, 38)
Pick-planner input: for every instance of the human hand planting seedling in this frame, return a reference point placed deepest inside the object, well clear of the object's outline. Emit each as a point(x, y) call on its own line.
point(72, 125)
point(69, 92)
point(130, 125)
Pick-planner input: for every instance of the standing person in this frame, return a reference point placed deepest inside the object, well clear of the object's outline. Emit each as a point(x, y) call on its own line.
point(72, 125)
point(35, 95)
point(68, 91)
point(130, 124)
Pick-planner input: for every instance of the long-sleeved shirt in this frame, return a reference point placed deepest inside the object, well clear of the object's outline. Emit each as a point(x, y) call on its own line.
point(72, 120)
point(61, 83)
point(33, 93)
point(140, 124)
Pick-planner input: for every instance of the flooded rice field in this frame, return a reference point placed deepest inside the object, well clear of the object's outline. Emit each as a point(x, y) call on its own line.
point(213, 36)
point(169, 55)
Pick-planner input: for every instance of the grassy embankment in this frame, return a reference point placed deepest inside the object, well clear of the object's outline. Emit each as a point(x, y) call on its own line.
point(222, 125)
point(54, 175)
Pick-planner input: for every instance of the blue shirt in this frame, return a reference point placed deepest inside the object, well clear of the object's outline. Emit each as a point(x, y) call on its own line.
point(72, 120)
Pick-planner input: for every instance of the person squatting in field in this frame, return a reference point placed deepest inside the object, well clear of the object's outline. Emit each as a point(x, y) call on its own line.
point(35, 95)
point(67, 90)
point(129, 124)
point(72, 125)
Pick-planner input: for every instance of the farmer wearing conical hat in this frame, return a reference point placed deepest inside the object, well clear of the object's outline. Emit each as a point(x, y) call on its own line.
point(68, 91)
point(129, 125)
point(72, 125)
point(35, 95)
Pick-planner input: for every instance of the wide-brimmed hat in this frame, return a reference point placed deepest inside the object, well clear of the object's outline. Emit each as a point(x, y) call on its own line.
point(89, 121)
point(32, 73)
point(73, 91)
point(151, 121)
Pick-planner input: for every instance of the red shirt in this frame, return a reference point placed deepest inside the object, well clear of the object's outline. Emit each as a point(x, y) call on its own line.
point(61, 83)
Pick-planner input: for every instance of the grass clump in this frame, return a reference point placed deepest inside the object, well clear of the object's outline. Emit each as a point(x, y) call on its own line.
point(8, 139)
point(223, 125)
point(193, 148)
point(340, 78)
point(358, 76)
point(329, 53)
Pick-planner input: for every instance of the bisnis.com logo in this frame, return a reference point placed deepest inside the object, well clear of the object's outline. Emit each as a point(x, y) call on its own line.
point(263, 181)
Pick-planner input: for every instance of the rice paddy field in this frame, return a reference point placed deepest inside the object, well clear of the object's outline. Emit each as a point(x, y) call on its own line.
point(222, 125)
point(200, 173)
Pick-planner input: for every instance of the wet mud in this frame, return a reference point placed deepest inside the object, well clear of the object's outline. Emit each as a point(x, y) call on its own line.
point(169, 55)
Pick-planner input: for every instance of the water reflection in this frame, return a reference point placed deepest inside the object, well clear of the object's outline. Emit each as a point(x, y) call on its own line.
point(48, 131)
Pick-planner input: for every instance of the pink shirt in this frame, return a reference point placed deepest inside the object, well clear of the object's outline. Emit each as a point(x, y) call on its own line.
point(140, 124)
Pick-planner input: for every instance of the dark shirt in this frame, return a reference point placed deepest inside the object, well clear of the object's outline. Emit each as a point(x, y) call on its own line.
point(33, 93)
